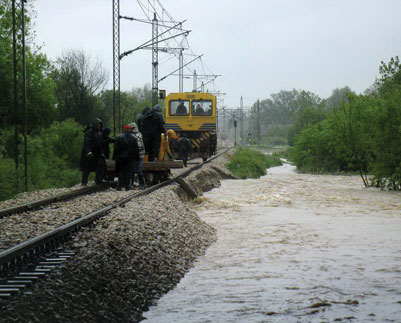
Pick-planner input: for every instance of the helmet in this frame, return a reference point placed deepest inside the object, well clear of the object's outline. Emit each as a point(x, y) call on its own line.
point(171, 133)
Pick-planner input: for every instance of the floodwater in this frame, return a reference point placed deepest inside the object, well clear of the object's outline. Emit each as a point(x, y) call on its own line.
point(293, 248)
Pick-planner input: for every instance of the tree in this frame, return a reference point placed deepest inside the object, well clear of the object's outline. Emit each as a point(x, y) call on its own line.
point(282, 106)
point(337, 96)
point(390, 75)
point(386, 164)
point(78, 80)
point(131, 104)
point(304, 118)
point(315, 149)
point(277, 114)
point(39, 85)
point(351, 125)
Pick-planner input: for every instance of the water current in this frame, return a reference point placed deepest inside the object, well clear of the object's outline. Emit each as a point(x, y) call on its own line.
point(293, 248)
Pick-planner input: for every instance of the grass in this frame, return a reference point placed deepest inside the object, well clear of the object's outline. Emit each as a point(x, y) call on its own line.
point(251, 163)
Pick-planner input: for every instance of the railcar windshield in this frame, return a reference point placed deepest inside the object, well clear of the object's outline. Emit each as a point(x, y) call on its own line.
point(202, 107)
point(179, 107)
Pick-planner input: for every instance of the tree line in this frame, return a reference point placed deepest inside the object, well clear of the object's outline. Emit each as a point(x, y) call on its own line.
point(361, 134)
point(62, 97)
point(347, 132)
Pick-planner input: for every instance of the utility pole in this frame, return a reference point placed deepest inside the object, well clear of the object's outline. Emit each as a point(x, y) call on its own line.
point(217, 120)
point(195, 85)
point(181, 73)
point(235, 131)
point(155, 62)
point(242, 120)
point(258, 121)
point(116, 66)
point(19, 67)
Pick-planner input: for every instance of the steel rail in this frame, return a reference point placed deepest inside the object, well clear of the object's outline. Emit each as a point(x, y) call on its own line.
point(13, 254)
point(37, 204)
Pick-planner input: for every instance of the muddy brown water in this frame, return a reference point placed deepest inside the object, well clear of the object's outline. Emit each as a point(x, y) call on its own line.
point(293, 248)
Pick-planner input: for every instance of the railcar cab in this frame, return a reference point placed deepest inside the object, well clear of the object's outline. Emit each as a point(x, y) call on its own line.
point(189, 111)
point(193, 113)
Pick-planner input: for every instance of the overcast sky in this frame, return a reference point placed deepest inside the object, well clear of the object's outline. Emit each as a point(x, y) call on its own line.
point(259, 47)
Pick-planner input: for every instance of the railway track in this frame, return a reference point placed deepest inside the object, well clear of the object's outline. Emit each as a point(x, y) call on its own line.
point(24, 263)
point(38, 204)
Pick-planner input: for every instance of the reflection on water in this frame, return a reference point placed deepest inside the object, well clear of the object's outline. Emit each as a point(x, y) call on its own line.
point(294, 248)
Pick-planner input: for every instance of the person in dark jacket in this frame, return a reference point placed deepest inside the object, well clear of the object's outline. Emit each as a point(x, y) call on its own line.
point(152, 128)
point(183, 146)
point(107, 140)
point(127, 153)
point(140, 117)
point(92, 158)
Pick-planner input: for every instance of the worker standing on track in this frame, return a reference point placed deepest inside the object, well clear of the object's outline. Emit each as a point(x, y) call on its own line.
point(107, 140)
point(92, 158)
point(165, 145)
point(127, 153)
point(138, 164)
point(152, 128)
point(140, 117)
point(184, 146)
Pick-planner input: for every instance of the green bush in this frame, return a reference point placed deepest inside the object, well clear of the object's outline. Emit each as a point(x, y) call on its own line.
point(53, 160)
point(250, 163)
point(8, 187)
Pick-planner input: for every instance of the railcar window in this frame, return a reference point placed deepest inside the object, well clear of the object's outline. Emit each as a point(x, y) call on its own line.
point(179, 108)
point(202, 108)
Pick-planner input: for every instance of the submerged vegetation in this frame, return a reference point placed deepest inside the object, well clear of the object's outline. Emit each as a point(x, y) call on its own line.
point(361, 134)
point(251, 163)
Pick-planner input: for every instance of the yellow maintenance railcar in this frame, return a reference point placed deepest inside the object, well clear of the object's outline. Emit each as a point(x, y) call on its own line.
point(194, 114)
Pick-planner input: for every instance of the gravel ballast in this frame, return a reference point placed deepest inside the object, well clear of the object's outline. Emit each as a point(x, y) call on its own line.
point(126, 261)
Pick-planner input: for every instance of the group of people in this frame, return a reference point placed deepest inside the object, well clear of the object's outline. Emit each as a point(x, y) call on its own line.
point(145, 140)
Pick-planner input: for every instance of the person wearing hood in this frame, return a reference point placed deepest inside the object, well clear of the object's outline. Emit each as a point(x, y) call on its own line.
point(141, 148)
point(127, 153)
point(140, 117)
point(92, 158)
point(107, 140)
point(152, 128)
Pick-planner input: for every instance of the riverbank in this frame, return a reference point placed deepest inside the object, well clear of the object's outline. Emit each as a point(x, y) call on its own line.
point(128, 260)
point(293, 247)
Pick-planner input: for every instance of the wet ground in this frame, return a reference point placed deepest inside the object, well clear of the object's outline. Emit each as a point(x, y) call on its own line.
point(293, 248)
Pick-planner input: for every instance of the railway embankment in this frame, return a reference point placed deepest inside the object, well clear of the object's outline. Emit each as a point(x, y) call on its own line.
point(124, 262)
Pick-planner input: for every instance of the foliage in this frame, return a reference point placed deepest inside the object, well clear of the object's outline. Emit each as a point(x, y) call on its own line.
point(390, 75)
point(40, 99)
point(304, 118)
point(386, 142)
point(338, 96)
point(78, 80)
point(250, 163)
point(53, 158)
point(314, 150)
point(131, 104)
point(363, 134)
point(276, 114)
point(8, 187)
